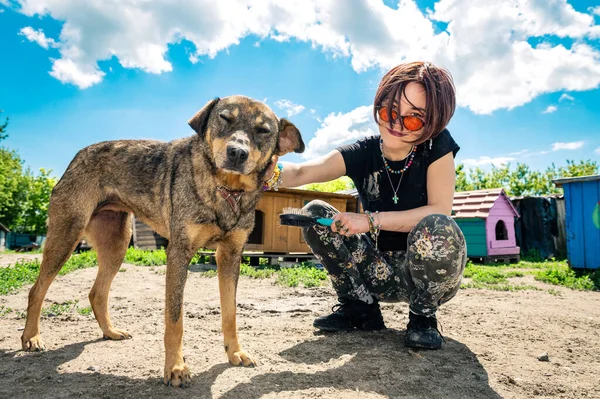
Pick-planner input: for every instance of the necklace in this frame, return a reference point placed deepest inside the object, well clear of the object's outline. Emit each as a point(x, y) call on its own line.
point(408, 161)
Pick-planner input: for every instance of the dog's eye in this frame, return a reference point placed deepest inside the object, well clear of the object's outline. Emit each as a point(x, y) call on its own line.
point(225, 117)
point(262, 130)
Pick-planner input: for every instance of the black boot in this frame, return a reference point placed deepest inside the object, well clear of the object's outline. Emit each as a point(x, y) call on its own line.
point(351, 314)
point(422, 332)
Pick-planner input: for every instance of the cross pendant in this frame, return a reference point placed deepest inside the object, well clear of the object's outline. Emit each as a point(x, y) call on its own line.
point(395, 198)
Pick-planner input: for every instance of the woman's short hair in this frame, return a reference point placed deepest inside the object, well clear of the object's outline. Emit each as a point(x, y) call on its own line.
point(439, 89)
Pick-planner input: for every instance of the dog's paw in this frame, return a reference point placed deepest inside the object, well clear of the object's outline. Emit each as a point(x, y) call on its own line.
point(116, 334)
point(33, 344)
point(178, 376)
point(241, 358)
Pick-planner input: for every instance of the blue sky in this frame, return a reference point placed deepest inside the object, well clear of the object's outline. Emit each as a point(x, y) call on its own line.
point(73, 73)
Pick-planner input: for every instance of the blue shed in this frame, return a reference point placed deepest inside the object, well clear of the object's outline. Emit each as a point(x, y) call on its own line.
point(582, 214)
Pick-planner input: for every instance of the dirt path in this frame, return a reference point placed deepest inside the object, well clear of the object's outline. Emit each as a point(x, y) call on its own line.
point(11, 259)
point(493, 343)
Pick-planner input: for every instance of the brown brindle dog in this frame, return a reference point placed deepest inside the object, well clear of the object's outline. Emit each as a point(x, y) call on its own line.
point(198, 192)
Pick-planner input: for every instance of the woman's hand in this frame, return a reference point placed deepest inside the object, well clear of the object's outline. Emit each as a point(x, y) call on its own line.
point(271, 167)
point(348, 223)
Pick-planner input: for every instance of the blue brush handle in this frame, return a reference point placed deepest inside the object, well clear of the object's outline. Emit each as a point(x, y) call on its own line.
point(325, 221)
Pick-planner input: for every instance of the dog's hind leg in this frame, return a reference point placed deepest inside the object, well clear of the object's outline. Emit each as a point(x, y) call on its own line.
point(64, 232)
point(109, 233)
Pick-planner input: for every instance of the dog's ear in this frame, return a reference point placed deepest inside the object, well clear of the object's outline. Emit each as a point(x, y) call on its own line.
point(198, 121)
point(290, 139)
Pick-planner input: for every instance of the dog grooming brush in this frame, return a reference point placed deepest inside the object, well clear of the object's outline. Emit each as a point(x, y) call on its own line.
point(298, 217)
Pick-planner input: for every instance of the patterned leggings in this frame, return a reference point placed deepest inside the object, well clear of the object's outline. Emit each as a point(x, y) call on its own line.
point(427, 275)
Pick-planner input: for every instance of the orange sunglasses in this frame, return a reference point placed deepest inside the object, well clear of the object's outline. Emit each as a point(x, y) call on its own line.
point(410, 122)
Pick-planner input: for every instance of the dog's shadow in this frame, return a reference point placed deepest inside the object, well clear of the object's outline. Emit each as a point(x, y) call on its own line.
point(40, 375)
point(351, 360)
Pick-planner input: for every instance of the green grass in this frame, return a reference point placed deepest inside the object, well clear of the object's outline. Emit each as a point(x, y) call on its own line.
point(141, 257)
point(500, 287)
point(58, 309)
point(559, 273)
point(490, 274)
point(4, 310)
point(495, 277)
point(306, 276)
point(24, 272)
point(85, 311)
point(13, 277)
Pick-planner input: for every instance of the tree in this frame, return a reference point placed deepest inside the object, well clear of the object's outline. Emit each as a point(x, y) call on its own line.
point(33, 198)
point(339, 184)
point(24, 197)
point(3, 126)
point(11, 170)
point(522, 180)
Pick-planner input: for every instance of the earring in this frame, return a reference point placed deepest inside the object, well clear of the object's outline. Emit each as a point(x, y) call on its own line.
point(430, 143)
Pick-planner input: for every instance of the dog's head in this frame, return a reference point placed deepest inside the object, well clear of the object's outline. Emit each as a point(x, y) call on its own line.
point(243, 134)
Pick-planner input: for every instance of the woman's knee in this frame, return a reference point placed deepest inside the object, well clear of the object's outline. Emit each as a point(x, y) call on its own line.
point(438, 242)
point(437, 225)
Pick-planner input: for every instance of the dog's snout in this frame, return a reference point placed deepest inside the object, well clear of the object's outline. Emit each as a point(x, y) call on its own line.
point(236, 155)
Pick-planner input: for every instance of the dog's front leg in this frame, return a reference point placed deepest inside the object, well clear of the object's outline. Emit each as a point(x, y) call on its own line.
point(229, 254)
point(176, 371)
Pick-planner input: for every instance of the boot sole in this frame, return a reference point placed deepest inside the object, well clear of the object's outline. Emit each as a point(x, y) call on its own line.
point(421, 346)
point(334, 329)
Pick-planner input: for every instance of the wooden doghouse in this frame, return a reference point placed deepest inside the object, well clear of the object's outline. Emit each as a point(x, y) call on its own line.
point(487, 219)
point(268, 236)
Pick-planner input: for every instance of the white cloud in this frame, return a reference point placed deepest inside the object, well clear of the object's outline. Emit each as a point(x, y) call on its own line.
point(574, 145)
point(338, 129)
point(597, 151)
point(517, 153)
point(485, 160)
point(565, 96)
point(595, 10)
point(38, 36)
point(82, 76)
point(289, 107)
point(485, 46)
point(550, 109)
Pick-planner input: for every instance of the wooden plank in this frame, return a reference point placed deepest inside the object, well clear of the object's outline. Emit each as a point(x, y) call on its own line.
point(581, 179)
point(475, 236)
point(134, 232)
point(280, 233)
point(476, 250)
point(295, 238)
point(591, 234)
point(560, 242)
point(266, 205)
point(575, 231)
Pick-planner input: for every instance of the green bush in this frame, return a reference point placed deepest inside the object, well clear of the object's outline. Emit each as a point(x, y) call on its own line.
point(561, 274)
point(302, 275)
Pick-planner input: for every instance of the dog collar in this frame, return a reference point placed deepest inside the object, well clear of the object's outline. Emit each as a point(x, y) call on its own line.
point(231, 196)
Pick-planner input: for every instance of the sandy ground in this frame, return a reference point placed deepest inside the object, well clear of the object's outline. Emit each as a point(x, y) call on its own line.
point(493, 343)
point(11, 259)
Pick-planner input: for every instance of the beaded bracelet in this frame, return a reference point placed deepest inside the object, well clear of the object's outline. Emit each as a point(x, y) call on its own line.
point(374, 228)
point(275, 181)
